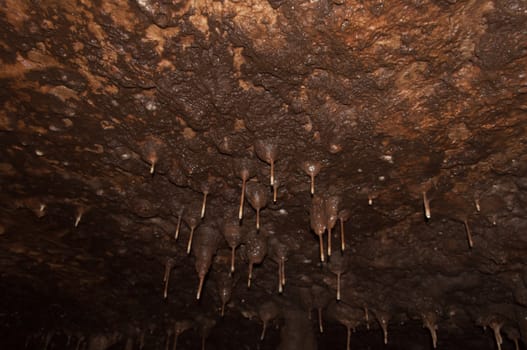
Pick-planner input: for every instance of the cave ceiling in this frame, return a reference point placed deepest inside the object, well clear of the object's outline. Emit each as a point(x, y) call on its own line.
point(407, 119)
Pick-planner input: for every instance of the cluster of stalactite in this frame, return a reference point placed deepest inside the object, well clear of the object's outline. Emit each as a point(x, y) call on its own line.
point(206, 237)
point(135, 337)
point(325, 212)
point(350, 317)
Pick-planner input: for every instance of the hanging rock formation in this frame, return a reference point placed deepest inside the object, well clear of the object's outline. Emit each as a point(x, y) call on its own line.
point(131, 131)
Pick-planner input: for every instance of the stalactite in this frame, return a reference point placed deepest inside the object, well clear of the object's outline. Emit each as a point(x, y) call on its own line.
point(78, 215)
point(245, 170)
point(320, 322)
point(169, 265)
point(513, 334)
point(276, 185)
point(496, 325)
point(426, 204)
point(367, 317)
point(233, 235)
point(169, 333)
point(205, 191)
point(430, 322)
point(344, 215)
point(306, 298)
point(283, 260)
point(468, 232)
point(204, 182)
point(178, 225)
point(267, 151)
point(204, 250)
point(278, 253)
point(312, 168)
point(180, 327)
point(459, 209)
point(332, 210)
point(80, 340)
point(152, 159)
point(47, 340)
point(142, 339)
point(256, 252)
point(129, 344)
point(41, 210)
point(151, 148)
point(225, 285)
point(338, 265)
point(321, 299)
point(192, 220)
point(318, 222)
point(257, 196)
point(347, 316)
point(206, 324)
point(268, 311)
point(383, 318)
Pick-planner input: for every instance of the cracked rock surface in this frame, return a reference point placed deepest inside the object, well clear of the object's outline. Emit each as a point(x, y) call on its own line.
point(124, 122)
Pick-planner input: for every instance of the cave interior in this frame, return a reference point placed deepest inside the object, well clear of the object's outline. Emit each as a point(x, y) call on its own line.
point(263, 174)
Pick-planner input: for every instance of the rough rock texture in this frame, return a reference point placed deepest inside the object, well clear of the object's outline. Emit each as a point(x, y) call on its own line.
point(116, 115)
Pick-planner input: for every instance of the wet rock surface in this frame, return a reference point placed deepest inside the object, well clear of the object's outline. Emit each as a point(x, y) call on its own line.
point(122, 122)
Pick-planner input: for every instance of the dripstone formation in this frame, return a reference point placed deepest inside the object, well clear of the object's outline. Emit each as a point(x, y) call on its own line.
point(263, 174)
